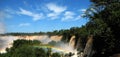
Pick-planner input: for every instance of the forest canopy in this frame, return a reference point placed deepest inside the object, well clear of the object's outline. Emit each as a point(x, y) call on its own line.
point(103, 24)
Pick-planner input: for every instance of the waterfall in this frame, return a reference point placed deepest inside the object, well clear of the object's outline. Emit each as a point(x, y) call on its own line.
point(6, 41)
point(72, 41)
point(88, 48)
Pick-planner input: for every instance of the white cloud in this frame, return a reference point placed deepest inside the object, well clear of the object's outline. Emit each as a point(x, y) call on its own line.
point(83, 10)
point(55, 10)
point(68, 16)
point(52, 15)
point(71, 16)
point(24, 24)
point(35, 16)
point(78, 17)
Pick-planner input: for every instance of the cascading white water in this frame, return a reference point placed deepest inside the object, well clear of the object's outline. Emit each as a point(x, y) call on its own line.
point(72, 41)
point(6, 41)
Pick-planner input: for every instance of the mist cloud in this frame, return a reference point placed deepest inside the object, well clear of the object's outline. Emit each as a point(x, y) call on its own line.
point(2, 27)
point(6, 42)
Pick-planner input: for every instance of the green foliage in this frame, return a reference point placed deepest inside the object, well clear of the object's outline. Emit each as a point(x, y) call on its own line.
point(22, 42)
point(39, 52)
point(49, 51)
point(24, 48)
point(56, 55)
point(53, 43)
point(24, 34)
point(104, 24)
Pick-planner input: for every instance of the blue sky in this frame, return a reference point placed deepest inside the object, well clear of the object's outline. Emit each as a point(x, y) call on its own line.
point(42, 15)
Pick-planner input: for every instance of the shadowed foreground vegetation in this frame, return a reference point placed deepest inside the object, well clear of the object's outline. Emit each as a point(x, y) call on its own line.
point(104, 25)
point(24, 48)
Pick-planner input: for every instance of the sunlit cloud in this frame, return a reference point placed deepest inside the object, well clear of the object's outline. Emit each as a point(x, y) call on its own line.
point(35, 16)
point(68, 15)
point(53, 16)
point(42, 13)
point(71, 16)
point(24, 24)
point(82, 10)
point(55, 10)
point(78, 17)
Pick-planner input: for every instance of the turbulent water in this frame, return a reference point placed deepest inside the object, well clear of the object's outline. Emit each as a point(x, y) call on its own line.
point(6, 42)
point(59, 46)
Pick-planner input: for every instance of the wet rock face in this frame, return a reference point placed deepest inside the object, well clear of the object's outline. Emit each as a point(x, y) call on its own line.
point(88, 47)
point(79, 45)
point(56, 38)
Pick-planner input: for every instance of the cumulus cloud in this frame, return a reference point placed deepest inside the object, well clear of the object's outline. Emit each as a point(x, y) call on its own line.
point(53, 16)
point(24, 24)
point(71, 16)
point(78, 17)
point(35, 16)
point(55, 10)
point(68, 15)
point(82, 10)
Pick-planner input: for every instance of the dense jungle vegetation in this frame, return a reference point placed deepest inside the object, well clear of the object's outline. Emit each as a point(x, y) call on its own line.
point(104, 25)
point(25, 48)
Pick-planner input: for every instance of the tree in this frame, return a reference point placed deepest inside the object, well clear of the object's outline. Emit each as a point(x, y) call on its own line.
point(49, 51)
point(56, 55)
point(39, 52)
point(24, 48)
point(104, 24)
